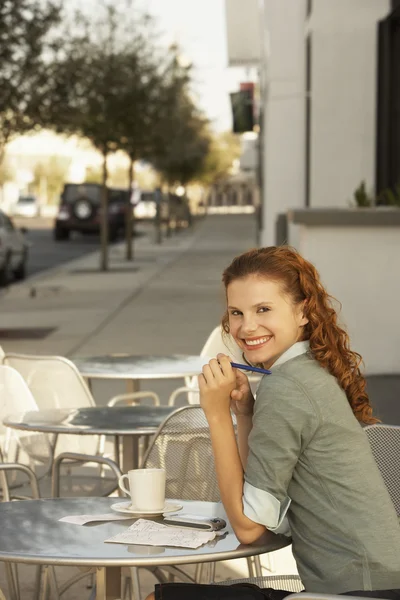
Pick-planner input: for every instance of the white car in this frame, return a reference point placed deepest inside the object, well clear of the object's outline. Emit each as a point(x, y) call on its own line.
point(13, 251)
point(26, 206)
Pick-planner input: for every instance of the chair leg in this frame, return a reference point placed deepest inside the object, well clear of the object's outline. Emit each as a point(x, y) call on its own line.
point(250, 566)
point(205, 573)
point(270, 563)
point(38, 581)
point(12, 583)
point(257, 566)
point(135, 582)
point(50, 581)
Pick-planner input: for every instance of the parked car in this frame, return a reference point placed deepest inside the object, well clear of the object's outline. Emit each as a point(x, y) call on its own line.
point(14, 250)
point(80, 210)
point(26, 206)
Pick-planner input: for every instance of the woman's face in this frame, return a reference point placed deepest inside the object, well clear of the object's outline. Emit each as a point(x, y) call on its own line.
point(262, 319)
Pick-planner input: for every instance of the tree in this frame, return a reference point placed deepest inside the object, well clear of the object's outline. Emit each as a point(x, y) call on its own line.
point(180, 140)
point(49, 177)
point(224, 150)
point(25, 28)
point(98, 89)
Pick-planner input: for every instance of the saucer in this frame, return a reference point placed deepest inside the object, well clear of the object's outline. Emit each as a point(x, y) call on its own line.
point(124, 507)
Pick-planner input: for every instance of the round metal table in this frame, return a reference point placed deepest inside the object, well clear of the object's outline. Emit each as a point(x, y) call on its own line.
point(32, 534)
point(134, 368)
point(129, 422)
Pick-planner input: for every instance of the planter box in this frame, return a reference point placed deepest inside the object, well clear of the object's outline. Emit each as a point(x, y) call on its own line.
point(357, 253)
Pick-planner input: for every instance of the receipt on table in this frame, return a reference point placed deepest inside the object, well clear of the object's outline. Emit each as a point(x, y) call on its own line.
point(83, 519)
point(149, 533)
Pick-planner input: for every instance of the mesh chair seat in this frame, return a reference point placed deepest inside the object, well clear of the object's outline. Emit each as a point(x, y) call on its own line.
point(182, 447)
point(385, 445)
point(292, 583)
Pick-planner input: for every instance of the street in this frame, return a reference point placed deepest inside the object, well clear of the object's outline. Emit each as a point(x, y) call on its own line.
point(46, 253)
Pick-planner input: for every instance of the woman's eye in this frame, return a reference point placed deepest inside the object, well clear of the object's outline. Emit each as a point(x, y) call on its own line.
point(263, 309)
point(235, 313)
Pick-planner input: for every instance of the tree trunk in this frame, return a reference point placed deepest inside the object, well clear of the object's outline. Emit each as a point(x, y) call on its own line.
point(130, 218)
point(104, 218)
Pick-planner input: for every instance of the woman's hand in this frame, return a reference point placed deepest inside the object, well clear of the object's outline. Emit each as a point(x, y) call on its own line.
point(242, 399)
point(223, 388)
point(216, 383)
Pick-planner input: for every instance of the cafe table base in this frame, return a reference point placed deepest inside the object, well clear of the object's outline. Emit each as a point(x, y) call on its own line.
point(108, 583)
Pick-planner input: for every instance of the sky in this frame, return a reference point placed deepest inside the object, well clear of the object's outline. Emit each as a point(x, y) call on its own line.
point(199, 29)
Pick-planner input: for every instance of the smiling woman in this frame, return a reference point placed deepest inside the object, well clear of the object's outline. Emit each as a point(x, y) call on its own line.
point(300, 464)
point(266, 328)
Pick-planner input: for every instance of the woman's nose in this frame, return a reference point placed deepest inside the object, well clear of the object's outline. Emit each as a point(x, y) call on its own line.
point(249, 325)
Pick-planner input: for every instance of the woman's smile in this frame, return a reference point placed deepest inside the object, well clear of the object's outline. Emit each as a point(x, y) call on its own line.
point(256, 343)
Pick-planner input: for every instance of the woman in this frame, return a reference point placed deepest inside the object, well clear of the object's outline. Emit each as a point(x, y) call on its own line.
point(301, 464)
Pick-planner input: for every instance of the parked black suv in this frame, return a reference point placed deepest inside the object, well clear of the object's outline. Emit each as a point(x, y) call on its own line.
point(80, 210)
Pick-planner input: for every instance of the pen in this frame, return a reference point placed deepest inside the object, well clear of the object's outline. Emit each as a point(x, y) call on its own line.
point(249, 368)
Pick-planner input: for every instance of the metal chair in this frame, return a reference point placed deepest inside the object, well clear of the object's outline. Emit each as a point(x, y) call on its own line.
point(182, 446)
point(16, 397)
point(385, 445)
point(55, 382)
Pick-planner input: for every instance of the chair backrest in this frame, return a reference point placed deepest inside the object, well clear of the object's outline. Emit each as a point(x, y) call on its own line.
point(385, 444)
point(15, 395)
point(54, 381)
point(217, 342)
point(182, 446)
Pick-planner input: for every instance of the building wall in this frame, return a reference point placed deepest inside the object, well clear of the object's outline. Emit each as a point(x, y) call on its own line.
point(364, 282)
point(343, 97)
point(283, 77)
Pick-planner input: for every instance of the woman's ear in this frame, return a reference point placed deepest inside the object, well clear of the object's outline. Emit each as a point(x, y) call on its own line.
point(304, 320)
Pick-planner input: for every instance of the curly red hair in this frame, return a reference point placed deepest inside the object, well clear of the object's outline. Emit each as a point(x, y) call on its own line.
point(329, 343)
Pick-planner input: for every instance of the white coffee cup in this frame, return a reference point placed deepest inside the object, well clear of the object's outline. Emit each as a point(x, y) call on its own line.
point(146, 488)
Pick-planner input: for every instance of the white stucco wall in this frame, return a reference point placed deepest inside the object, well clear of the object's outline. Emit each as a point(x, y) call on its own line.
point(359, 267)
point(284, 111)
point(344, 57)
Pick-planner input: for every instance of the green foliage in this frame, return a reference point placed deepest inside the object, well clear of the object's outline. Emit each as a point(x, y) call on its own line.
point(224, 150)
point(6, 172)
point(94, 175)
point(180, 137)
point(362, 197)
point(390, 197)
point(50, 174)
point(25, 28)
point(387, 197)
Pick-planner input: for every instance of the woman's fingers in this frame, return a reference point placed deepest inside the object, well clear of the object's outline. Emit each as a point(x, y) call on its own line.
point(208, 374)
point(217, 370)
point(224, 363)
point(236, 395)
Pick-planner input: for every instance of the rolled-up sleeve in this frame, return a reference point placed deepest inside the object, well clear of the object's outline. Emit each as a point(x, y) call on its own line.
point(284, 422)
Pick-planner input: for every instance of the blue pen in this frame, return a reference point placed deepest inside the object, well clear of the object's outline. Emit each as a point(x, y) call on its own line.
point(249, 368)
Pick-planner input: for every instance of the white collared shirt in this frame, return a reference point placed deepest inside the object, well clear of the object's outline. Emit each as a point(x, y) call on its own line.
point(295, 350)
point(259, 505)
